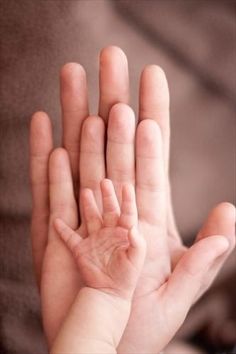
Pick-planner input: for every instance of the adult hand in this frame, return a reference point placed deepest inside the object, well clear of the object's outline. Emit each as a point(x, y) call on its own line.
point(55, 268)
point(56, 272)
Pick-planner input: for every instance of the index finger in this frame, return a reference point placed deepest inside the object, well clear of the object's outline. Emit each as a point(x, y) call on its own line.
point(154, 103)
point(74, 102)
point(150, 174)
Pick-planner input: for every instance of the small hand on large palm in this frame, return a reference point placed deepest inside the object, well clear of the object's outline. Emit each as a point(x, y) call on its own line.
point(110, 258)
point(55, 266)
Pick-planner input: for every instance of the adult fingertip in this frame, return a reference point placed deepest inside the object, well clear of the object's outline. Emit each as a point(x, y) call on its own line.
point(221, 244)
point(40, 132)
point(57, 156)
point(149, 139)
point(220, 221)
point(121, 123)
point(38, 117)
point(121, 108)
point(70, 70)
point(149, 128)
point(91, 126)
point(154, 71)
point(106, 184)
point(153, 90)
point(114, 51)
point(228, 209)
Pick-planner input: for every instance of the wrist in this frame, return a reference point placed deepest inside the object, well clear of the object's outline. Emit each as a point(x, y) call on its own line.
point(97, 319)
point(110, 295)
point(109, 311)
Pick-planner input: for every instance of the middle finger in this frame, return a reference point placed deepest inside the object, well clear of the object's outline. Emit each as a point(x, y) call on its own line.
point(120, 147)
point(92, 161)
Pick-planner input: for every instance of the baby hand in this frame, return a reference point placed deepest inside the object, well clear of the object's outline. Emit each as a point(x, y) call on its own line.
point(111, 257)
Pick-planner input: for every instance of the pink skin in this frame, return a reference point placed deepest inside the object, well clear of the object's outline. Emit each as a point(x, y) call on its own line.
point(168, 262)
point(111, 257)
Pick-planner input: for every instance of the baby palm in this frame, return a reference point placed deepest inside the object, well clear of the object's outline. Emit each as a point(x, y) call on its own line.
point(111, 256)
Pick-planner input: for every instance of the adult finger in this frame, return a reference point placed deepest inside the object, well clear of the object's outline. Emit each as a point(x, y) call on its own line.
point(120, 147)
point(41, 144)
point(220, 221)
point(74, 103)
point(60, 273)
point(62, 200)
point(190, 271)
point(113, 79)
point(154, 104)
point(92, 160)
point(150, 174)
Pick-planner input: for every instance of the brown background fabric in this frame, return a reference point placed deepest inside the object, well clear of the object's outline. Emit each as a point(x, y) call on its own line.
point(194, 42)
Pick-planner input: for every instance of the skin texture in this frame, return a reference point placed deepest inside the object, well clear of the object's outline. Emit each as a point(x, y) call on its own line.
point(111, 257)
point(110, 260)
point(167, 261)
point(82, 333)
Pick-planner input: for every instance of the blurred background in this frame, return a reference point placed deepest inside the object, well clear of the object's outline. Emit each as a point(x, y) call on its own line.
point(194, 41)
